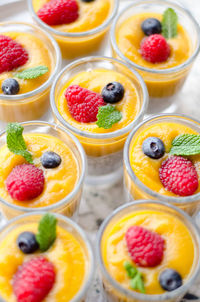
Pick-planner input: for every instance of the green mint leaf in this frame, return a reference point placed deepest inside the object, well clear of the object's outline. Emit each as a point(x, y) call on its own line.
point(185, 145)
point(32, 73)
point(136, 279)
point(16, 143)
point(107, 116)
point(169, 24)
point(131, 270)
point(46, 232)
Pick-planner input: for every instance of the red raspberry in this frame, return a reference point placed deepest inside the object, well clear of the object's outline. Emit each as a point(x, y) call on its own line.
point(155, 49)
point(146, 248)
point(83, 104)
point(25, 182)
point(12, 54)
point(34, 280)
point(57, 12)
point(179, 176)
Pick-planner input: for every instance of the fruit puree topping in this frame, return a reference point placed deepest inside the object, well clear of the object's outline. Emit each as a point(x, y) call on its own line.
point(155, 48)
point(88, 106)
point(12, 54)
point(35, 278)
point(56, 12)
point(26, 182)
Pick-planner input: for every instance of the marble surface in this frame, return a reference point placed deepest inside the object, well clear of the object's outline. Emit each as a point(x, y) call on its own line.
point(99, 202)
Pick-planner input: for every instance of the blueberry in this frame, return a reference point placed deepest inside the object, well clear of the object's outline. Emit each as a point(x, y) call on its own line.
point(170, 280)
point(10, 87)
point(50, 160)
point(87, 0)
point(153, 147)
point(27, 243)
point(151, 26)
point(113, 92)
point(189, 296)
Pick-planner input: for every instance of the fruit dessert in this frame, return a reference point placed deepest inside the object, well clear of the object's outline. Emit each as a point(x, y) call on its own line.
point(26, 64)
point(155, 41)
point(42, 261)
point(99, 105)
point(68, 21)
point(147, 249)
point(37, 170)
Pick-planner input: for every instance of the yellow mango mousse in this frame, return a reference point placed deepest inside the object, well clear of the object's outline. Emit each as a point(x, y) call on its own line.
point(95, 80)
point(66, 254)
point(147, 169)
point(38, 55)
point(179, 250)
point(129, 36)
point(91, 15)
point(59, 182)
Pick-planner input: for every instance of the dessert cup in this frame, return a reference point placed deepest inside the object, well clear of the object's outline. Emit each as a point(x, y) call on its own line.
point(163, 84)
point(114, 291)
point(65, 224)
point(104, 150)
point(135, 188)
point(33, 104)
point(77, 44)
point(70, 203)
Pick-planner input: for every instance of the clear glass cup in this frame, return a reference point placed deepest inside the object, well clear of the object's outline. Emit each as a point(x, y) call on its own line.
point(78, 44)
point(163, 84)
point(71, 227)
point(113, 290)
point(33, 104)
point(135, 189)
point(104, 150)
point(70, 204)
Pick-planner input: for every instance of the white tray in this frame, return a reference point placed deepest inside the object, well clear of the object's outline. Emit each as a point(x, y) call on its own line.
point(100, 202)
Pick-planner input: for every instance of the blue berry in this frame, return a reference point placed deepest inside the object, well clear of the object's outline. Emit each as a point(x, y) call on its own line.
point(27, 243)
point(113, 92)
point(10, 87)
point(170, 280)
point(151, 26)
point(153, 147)
point(87, 0)
point(50, 160)
point(189, 296)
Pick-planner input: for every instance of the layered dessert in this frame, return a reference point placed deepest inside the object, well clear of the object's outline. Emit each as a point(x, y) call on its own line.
point(147, 249)
point(96, 104)
point(164, 156)
point(43, 258)
point(157, 42)
point(27, 62)
point(38, 170)
point(78, 25)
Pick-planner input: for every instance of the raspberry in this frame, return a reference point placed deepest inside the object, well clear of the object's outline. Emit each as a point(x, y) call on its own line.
point(145, 247)
point(57, 12)
point(178, 175)
point(12, 54)
point(83, 104)
point(34, 280)
point(25, 182)
point(155, 49)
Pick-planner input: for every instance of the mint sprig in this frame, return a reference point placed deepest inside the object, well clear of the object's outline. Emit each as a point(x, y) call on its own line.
point(32, 73)
point(16, 143)
point(136, 279)
point(169, 23)
point(107, 116)
point(185, 145)
point(46, 232)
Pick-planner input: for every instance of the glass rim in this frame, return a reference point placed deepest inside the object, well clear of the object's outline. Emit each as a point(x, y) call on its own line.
point(77, 186)
point(170, 199)
point(23, 98)
point(93, 31)
point(135, 295)
point(87, 134)
point(177, 68)
point(79, 230)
